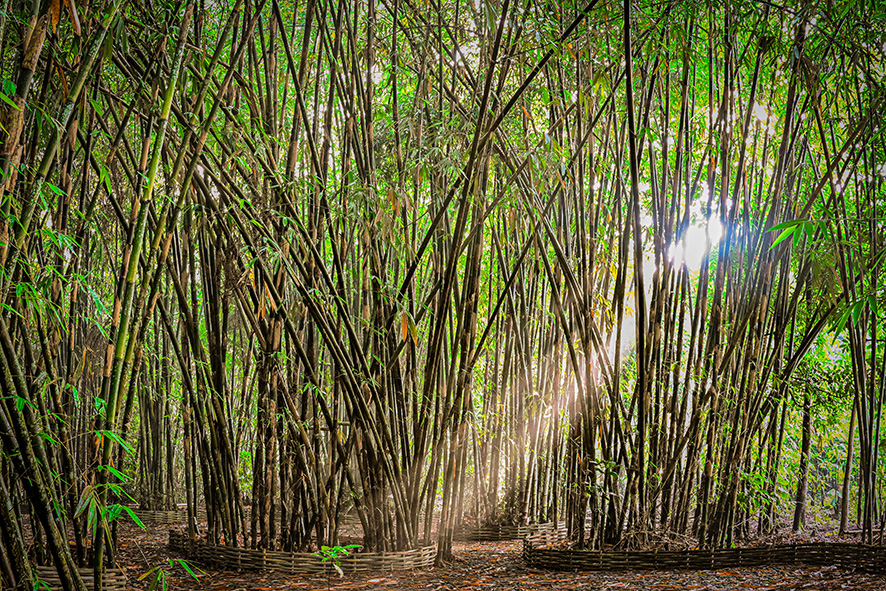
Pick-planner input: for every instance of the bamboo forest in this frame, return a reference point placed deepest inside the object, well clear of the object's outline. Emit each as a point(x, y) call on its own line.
point(349, 278)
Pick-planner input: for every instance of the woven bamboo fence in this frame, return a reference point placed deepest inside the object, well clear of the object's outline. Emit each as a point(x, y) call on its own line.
point(114, 579)
point(167, 517)
point(871, 559)
point(300, 562)
point(172, 516)
point(496, 533)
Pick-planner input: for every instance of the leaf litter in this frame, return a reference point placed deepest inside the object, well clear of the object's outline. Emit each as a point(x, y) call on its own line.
point(486, 566)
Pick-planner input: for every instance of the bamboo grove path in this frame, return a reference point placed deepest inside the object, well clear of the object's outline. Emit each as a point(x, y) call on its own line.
point(487, 566)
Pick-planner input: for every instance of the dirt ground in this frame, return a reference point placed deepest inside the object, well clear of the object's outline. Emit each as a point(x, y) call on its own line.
point(487, 566)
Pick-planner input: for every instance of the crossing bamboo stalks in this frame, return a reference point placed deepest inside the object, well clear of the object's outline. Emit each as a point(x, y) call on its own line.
point(435, 266)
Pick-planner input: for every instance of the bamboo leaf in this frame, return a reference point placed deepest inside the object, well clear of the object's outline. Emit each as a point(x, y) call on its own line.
point(85, 497)
point(9, 101)
point(184, 564)
point(116, 439)
point(784, 225)
point(113, 511)
point(144, 576)
point(785, 234)
point(857, 309)
point(133, 516)
point(54, 189)
point(120, 475)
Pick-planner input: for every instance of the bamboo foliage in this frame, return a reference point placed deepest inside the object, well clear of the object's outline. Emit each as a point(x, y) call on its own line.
point(418, 264)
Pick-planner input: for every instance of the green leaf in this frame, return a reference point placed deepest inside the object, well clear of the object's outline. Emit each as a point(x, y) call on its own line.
point(857, 309)
point(144, 576)
point(120, 475)
point(106, 177)
point(187, 567)
point(85, 497)
point(9, 101)
point(92, 516)
point(783, 225)
point(54, 189)
point(116, 489)
point(490, 17)
point(809, 229)
point(116, 439)
point(159, 581)
point(113, 511)
point(785, 234)
point(12, 311)
point(47, 437)
point(134, 517)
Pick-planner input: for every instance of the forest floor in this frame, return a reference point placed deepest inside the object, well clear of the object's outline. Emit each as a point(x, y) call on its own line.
point(480, 566)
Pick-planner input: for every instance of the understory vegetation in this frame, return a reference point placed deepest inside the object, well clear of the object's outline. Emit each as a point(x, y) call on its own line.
point(422, 264)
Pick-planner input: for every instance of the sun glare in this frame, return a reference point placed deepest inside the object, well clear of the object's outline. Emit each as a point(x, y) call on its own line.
point(692, 248)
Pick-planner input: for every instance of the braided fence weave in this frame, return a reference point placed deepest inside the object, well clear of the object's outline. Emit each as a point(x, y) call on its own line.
point(232, 558)
point(467, 533)
point(495, 533)
point(113, 579)
point(871, 559)
point(167, 517)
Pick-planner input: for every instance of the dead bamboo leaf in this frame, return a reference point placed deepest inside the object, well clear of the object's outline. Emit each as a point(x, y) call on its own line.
point(75, 17)
point(55, 11)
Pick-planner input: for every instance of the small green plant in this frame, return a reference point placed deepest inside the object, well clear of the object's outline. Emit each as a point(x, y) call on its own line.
point(98, 515)
point(160, 582)
point(334, 554)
